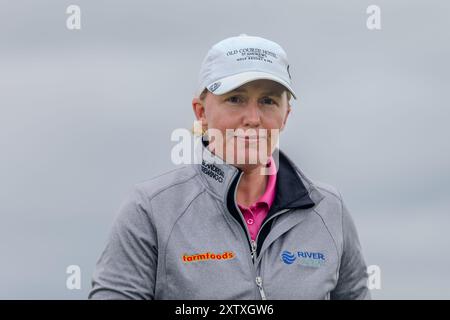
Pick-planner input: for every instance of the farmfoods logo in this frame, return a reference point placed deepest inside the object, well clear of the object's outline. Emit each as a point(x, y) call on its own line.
point(304, 258)
point(227, 255)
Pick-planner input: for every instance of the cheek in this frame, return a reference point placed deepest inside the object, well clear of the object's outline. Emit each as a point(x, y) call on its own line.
point(218, 124)
point(273, 121)
point(222, 120)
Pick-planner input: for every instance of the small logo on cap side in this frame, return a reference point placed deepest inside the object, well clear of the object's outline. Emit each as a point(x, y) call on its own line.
point(289, 72)
point(214, 86)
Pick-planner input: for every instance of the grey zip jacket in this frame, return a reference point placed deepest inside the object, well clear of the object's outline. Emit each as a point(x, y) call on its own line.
point(181, 235)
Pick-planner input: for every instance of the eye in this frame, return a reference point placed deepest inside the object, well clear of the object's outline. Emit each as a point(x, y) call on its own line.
point(267, 100)
point(234, 99)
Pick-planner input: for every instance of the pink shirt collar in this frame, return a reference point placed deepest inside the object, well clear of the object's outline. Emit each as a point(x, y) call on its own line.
point(269, 195)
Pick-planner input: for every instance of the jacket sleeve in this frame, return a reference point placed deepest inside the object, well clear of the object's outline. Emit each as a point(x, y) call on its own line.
point(352, 282)
point(127, 267)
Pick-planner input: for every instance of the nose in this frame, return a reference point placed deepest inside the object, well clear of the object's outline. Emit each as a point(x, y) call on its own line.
point(252, 116)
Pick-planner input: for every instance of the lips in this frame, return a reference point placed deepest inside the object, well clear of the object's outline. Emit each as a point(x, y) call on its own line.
point(250, 137)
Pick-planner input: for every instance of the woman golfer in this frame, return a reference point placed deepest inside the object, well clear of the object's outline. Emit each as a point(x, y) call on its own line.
point(242, 221)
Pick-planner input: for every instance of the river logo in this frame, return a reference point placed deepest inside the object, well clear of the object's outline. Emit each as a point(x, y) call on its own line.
point(288, 257)
point(304, 258)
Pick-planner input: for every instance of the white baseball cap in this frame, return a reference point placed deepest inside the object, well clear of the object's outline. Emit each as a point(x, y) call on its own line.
point(235, 61)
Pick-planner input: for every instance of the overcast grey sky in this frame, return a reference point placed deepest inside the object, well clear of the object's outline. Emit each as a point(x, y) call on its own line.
point(85, 114)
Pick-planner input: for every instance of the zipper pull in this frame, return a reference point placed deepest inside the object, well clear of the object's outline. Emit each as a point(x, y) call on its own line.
point(253, 254)
point(260, 287)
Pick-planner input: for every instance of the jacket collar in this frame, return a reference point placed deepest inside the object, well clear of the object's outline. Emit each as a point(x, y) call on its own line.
point(293, 188)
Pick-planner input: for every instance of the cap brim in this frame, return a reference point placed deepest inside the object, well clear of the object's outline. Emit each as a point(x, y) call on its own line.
point(230, 83)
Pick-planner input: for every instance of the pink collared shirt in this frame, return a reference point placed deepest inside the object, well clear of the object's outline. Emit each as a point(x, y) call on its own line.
point(257, 212)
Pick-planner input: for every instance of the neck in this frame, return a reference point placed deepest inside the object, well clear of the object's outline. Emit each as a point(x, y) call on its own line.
point(251, 186)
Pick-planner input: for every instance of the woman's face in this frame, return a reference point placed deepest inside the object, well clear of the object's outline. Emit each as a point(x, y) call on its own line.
point(239, 116)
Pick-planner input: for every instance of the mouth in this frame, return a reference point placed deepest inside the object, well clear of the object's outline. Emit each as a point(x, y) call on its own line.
point(252, 137)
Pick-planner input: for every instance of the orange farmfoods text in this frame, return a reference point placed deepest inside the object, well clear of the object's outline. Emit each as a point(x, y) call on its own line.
point(227, 255)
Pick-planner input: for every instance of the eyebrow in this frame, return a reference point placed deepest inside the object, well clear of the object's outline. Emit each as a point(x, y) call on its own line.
point(267, 93)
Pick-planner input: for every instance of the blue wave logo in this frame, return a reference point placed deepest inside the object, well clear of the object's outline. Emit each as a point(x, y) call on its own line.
point(288, 257)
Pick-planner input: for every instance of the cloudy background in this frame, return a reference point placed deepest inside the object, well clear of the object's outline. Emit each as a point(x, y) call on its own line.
point(86, 114)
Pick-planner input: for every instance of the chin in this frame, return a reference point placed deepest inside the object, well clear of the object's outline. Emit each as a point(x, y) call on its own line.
point(249, 157)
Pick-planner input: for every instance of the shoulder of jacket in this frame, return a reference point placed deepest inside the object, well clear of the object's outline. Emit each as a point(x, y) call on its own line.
point(150, 188)
point(327, 190)
point(167, 196)
point(330, 211)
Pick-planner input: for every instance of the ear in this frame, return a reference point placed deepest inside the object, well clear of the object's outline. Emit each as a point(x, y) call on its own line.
point(199, 109)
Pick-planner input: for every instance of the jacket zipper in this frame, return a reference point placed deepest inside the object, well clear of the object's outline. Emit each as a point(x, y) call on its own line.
point(254, 247)
point(260, 287)
point(253, 243)
point(265, 222)
point(253, 253)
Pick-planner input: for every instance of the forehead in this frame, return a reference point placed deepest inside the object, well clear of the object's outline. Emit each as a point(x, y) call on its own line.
point(263, 86)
